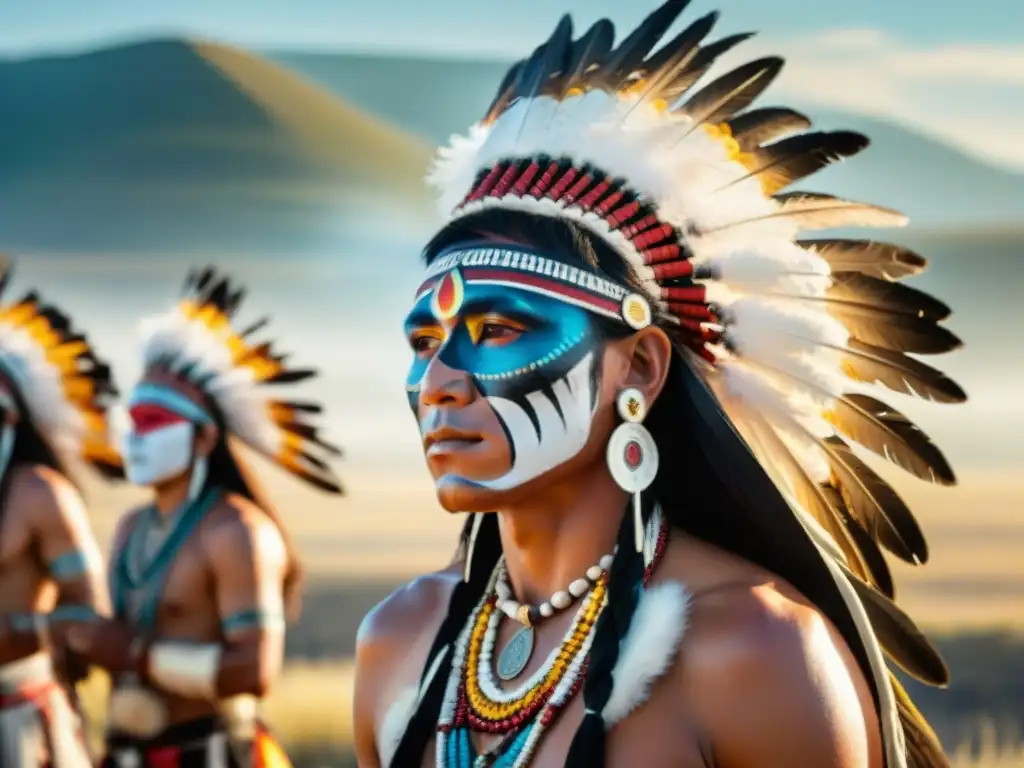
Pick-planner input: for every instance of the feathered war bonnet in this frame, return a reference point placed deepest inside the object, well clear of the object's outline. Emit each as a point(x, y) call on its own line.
point(197, 346)
point(789, 336)
point(62, 386)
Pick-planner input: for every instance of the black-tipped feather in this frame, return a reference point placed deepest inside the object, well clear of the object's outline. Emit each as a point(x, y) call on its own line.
point(682, 46)
point(631, 52)
point(780, 164)
point(700, 64)
point(890, 434)
point(589, 50)
point(867, 547)
point(924, 750)
point(901, 639)
point(867, 363)
point(882, 260)
point(760, 126)
point(894, 331)
point(875, 504)
point(731, 93)
point(674, 58)
point(857, 288)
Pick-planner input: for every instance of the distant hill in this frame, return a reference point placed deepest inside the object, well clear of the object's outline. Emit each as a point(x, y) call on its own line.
point(935, 184)
point(173, 144)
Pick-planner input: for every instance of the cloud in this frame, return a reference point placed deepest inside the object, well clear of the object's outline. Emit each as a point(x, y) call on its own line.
point(971, 95)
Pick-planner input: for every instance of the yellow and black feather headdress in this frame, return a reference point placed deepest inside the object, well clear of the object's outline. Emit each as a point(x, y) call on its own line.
point(197, 343)
point(64, 385)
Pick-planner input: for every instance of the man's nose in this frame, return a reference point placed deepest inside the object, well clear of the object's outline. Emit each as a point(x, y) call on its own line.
point(444, 385)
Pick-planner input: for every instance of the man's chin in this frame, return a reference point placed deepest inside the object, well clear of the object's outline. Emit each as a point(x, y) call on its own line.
point(459, 494)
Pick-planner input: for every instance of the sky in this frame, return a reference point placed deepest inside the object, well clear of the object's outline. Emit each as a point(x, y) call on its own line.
point(954, 70)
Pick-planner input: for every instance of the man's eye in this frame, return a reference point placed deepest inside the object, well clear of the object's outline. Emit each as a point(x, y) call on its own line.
point(424, 343)
point(498, 332)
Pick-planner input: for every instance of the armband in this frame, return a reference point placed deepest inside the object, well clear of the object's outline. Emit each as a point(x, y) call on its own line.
point(186, 669)
point(253, 618)
point(69, 567)
point(37, 624)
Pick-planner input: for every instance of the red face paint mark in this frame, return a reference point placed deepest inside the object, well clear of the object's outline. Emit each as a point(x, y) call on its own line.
point(147, 417)
point(448, 295)
point(634, 454)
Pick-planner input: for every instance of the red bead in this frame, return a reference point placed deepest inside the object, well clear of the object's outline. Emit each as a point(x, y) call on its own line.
point(634, 454)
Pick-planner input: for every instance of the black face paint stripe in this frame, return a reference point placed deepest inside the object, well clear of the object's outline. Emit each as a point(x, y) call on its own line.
point(531, 413)
point(508, 439)
point(549, 393)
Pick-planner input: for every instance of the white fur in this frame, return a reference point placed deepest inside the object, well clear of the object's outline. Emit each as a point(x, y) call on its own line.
point(649, 649)
point(237, 394)
point(39, 383)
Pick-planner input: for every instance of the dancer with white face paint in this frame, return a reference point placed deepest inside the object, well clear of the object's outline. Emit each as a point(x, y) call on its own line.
point(204, 578)
point(54, 394)
point(639, 384)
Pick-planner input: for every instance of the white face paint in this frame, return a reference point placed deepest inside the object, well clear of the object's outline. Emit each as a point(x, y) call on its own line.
point(563, 416)
point(158, 454)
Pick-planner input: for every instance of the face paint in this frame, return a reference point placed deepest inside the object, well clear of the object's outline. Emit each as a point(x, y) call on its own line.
point(159, 445)
point(532, 356)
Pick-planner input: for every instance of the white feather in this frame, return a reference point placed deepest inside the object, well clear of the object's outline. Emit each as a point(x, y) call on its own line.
point(205, 354)
point(40, 384)
point(649, 648)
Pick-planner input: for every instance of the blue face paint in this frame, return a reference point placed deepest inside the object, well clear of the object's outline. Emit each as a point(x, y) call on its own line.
point(532, 356)
point(550, 338)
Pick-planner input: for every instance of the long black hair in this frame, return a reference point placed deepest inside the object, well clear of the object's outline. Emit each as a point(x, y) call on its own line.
point(709, 485)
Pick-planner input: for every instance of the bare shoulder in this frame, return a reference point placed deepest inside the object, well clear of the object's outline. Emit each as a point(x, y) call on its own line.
point(770, 681)
point(410, 610)
point(394, 641)
point(43, 489)
point(52, 500)
point(237, 528)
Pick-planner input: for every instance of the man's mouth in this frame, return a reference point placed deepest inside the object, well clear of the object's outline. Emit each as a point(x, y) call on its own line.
point(448, 440)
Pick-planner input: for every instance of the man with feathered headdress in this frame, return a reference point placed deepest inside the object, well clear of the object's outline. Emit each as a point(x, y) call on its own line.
point(203, 579)
point(641, 384)
point(54, 392)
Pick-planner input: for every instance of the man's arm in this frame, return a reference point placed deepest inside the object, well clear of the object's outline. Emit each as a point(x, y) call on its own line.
point(775, 687)
point(248, 559)
point(68, 547)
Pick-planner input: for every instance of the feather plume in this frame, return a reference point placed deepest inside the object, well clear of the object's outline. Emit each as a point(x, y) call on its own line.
point(881, 260)
point(627, 57)
point(864, 362)
point(901, 639)
point(875, 504)
point(760, 126)
point(780, 164)
point(924, 750)
point(892, 435)
point(855, 288)
point(893, 331)
point(700, 64)
point(730, 93)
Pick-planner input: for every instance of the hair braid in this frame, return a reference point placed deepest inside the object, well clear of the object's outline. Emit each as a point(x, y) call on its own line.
point(625, 582)
point(422, 725)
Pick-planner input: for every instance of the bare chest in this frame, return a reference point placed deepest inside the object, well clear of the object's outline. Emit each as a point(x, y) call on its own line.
point(172, 599)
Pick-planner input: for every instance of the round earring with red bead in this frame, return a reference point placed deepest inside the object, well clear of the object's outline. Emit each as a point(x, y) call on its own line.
point(632, 455)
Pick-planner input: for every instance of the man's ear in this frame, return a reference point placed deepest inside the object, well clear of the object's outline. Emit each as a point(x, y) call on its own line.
point(649, 362)
point(206, 439)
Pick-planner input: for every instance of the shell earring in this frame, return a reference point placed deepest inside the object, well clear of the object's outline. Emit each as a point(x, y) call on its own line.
point(632, 455)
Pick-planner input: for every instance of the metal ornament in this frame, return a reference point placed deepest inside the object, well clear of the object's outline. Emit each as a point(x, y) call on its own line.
point(516, 655)
point(632, 455)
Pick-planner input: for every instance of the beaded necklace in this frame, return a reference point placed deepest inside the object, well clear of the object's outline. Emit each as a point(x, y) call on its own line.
point(473, 699)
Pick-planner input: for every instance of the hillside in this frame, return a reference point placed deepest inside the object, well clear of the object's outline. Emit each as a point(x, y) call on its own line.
point(935, 184)
point(179, 145)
